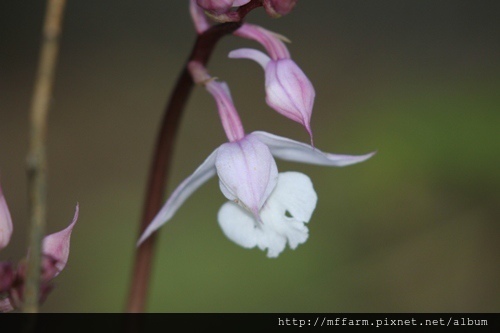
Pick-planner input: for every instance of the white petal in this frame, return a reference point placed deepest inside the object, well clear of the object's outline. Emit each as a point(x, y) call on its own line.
point(203, 173)
point(294, 195)
point(295, 151)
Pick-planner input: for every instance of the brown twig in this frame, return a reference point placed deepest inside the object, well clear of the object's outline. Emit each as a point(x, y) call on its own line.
point(202, 50)
point(37, 160)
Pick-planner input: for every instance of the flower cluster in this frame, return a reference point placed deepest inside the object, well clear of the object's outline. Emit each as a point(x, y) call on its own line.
point(266, 209)
point(55, 253)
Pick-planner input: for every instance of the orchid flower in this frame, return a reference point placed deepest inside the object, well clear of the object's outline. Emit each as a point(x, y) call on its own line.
point(55, 253)
point(261, 199)
point(288, 90)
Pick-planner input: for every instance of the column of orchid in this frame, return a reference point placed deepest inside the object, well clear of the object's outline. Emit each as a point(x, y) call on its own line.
point(266, 209)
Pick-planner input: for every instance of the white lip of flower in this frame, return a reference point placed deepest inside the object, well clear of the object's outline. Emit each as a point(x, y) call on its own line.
point(283, 216)
point(267, 195)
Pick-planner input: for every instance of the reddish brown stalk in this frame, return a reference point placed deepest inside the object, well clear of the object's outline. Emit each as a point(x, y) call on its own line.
point(162, 159)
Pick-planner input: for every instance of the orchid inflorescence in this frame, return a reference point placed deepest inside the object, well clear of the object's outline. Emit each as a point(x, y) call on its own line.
point(266, 209)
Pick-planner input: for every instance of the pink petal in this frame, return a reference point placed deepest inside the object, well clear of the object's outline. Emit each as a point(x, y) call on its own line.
point(289, 91)
point(227, 111)
point(272, 42)
point(238, 3)
point(277, 8)
point(247, 172)
point(56, 245)
point(6, 226)
point(215, 6)
point(198, 16)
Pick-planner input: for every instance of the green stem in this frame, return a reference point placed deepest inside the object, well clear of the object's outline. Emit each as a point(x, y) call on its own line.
point(37, 160)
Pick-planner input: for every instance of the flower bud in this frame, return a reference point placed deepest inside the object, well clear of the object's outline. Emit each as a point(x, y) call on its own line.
point(56, 248)
point(277, 8)
point(220, 6)
point(7, 276)
point(5, 222)
point(288, 90)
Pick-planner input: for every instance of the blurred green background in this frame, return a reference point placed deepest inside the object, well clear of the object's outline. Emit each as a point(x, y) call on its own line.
point(415, 229)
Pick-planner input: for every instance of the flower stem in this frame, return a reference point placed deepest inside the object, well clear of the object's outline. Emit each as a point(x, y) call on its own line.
point(37, 161)
point(162, 159)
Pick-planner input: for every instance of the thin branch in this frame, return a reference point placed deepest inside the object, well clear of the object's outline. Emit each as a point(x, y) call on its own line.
point(37, 160)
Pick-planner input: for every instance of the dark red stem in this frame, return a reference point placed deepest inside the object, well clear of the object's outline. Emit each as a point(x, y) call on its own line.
point(162, 159)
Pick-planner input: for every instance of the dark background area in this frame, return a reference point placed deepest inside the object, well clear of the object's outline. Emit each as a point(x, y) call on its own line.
point(414, 229)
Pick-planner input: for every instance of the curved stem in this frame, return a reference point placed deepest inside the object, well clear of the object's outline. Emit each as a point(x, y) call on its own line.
point(162, 160)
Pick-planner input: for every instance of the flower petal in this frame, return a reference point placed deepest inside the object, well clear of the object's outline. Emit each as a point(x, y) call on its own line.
point(260, 57)
point(277, 8)
point(271, 41)
point(5, 305)
point(238, 3)
point(56, 246)
point(227, 111)
point(294, 195)
point(215, 6)
point(6, 226)
point(247, 172)
point(290, 150)
point(289, 91)
point(199, 18)
point(202, 174)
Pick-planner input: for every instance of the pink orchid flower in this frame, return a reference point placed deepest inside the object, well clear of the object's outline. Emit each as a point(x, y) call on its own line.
point(267, 209)
point(55, 253)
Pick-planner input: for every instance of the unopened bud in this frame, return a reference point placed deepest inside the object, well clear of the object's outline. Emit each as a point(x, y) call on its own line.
point(277, 8)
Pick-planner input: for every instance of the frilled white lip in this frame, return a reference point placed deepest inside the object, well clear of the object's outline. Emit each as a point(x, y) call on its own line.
point(284, 215)
point(279, 147)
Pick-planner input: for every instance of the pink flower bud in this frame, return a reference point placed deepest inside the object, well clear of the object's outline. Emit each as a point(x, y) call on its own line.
point(198, 16)
point(288, 90)
point(5, 222)
point(277, 8)
point(220, 6)
point(56, 247)
point(7, 276)
point(5, 305)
